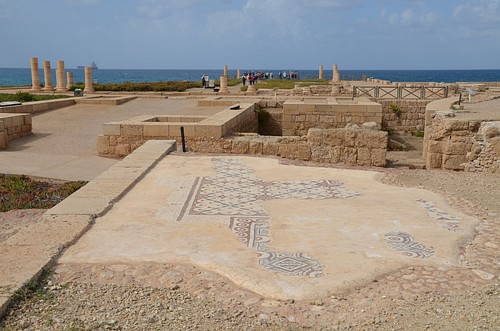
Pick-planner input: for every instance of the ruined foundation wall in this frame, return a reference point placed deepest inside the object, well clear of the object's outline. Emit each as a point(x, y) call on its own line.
point(458, 144)
point(409, 119)
point(353, 146)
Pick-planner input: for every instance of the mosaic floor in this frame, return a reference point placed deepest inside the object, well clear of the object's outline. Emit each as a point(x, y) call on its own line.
point(236, 193)
point(280, 230)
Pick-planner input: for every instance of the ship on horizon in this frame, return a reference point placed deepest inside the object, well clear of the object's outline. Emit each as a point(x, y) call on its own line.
point(93, 65)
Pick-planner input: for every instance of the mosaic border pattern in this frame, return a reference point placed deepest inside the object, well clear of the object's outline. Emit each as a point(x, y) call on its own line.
point(406, 244)
point(253, 232)
point(447, 221)
point(236, 191)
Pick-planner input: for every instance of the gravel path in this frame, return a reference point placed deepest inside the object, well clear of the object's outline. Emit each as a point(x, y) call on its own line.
point(130, 297)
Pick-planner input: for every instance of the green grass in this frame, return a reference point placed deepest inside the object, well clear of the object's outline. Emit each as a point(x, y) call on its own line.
point(286, 84)
point(22, 192)
point(27, 97)
point(170, 86)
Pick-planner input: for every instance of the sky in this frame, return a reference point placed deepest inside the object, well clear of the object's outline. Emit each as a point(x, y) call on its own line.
point(258, 34)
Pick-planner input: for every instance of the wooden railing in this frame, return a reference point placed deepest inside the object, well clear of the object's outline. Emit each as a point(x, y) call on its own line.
point(421, 92)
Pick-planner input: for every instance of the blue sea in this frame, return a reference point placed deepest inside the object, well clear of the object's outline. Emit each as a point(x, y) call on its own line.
point(22, 76)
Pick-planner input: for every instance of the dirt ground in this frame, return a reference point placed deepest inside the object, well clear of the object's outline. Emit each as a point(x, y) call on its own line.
point(112, 297)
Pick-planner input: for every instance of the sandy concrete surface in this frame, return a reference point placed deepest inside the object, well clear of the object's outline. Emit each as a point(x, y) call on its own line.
point(63, 143)
point(282, 231)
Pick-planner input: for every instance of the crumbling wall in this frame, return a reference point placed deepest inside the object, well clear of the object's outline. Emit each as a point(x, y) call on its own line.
point(459, 144)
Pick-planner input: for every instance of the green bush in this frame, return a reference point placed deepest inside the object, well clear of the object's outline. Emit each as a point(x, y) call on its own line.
point(395, 108)
point(27, 97)
point(170, 86)
point(418, 133)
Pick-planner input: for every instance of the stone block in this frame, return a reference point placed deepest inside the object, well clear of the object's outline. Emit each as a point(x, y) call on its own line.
point(174, 129)
point(350, 156)
point(240, 147)
point(304, 152)
point(122, 149)
point(270, 148)
point(364, 157)
point(214, 131)
point(435, 146)
point(456, 125)
point(454, 162)
point(495, 144)
point(455, 148)
point(255, 147)
point(336, 154)
point(378, 157)
point(111, 129)
point(102, 144)
point(131, 130)
point(434, 161)
point(351, 135)
point(156, 130)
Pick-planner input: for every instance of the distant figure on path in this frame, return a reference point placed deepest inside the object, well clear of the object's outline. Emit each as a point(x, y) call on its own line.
point(244, 79)
point(203, 81)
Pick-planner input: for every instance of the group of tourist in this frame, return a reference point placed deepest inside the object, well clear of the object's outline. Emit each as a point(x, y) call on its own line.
point(252, 77)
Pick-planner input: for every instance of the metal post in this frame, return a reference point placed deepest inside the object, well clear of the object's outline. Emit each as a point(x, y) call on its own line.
point(183, 140)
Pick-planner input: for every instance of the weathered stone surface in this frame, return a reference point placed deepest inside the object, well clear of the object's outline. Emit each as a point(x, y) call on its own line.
point(434, 160)
point(457, 148)
point(454, 162)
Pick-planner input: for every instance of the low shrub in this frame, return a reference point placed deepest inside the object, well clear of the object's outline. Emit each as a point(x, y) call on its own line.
point(22, 192)
point(27, 97)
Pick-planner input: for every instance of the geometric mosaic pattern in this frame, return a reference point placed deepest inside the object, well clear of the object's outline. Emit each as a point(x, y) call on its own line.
point(406, 244)
point(254, 233)
point(236, 191)
point(447, 221)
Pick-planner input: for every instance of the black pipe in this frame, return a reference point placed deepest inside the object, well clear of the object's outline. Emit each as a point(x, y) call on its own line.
point(183, 140)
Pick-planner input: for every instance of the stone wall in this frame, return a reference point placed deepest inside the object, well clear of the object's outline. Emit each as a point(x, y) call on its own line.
point(327, 113)
point(38, 106)
point(270, 115)
point(13, 126)
point(409, 119)
point(459, 144)
point(351, 146)
point(485, 151)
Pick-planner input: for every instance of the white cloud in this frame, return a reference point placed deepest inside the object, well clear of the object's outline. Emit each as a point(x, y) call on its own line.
point(478, 11)
point(411, 18)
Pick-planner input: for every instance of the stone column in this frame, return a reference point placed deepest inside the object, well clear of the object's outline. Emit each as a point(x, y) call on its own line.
point(223, 85)
point(336, 75)
point(320, 71)
point(251, 90)
point(60, 79)
point(69, 80)
point(88, 80)
point(225, 70)
point(35, 75)
point(47, 73)
point(238, 74)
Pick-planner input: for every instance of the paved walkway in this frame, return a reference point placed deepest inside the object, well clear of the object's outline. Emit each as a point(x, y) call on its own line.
point(63, 144)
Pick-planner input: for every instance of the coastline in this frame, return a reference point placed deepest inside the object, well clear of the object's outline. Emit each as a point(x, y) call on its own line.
point(17, 77)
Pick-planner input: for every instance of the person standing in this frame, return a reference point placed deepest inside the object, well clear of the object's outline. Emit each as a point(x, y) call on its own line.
point(203, 81)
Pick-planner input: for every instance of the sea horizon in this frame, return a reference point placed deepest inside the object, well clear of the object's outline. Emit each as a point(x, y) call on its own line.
point(22, 76)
